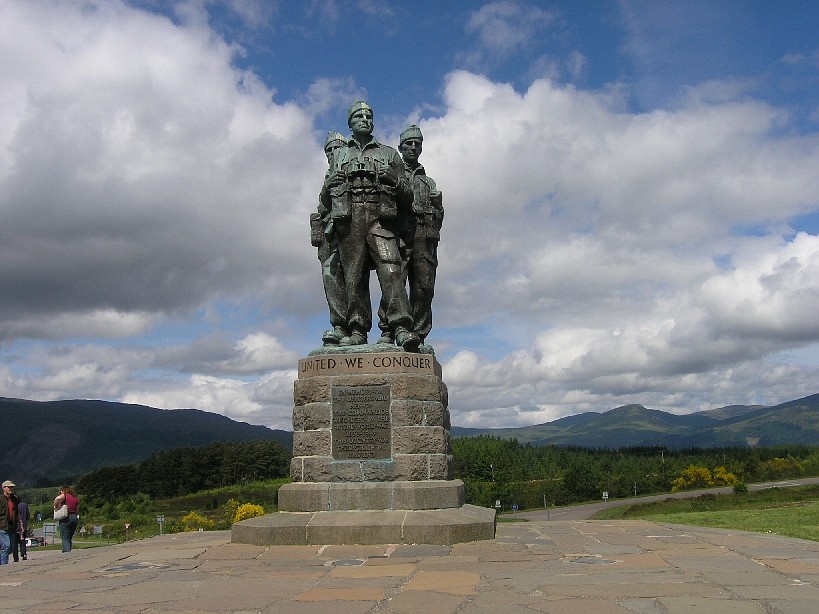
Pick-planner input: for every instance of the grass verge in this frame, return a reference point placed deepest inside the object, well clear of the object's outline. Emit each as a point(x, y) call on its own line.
point(793, 512)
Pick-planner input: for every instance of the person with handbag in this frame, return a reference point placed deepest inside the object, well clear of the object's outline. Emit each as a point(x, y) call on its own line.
point(67, 518)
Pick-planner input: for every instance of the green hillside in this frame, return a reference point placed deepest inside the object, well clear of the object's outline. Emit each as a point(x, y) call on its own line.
point(57, 441)
point(794, 422)
point(51, 442)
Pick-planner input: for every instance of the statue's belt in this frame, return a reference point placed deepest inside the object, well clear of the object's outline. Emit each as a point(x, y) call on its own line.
point(365, 197)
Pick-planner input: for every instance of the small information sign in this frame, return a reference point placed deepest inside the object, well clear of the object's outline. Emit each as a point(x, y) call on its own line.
point(49, 530)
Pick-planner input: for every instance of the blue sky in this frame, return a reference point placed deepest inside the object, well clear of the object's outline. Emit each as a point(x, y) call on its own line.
point(631, 195)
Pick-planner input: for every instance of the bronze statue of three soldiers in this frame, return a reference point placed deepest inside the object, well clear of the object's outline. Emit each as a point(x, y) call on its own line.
point(378, 210)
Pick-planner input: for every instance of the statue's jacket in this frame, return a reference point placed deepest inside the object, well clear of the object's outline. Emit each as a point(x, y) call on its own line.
point(427, 206)
point(362, 185)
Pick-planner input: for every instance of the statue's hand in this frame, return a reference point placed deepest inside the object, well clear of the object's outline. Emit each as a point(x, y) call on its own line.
point(387, 175)
point(336, 178)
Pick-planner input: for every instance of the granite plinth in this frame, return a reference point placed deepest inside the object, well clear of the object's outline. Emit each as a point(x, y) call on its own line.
point(371, 416)
point(345, 496)
point(441, 526)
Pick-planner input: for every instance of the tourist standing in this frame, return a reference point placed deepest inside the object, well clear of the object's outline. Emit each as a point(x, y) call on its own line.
point(21, 528)
point(5, 541)
point(69, 524)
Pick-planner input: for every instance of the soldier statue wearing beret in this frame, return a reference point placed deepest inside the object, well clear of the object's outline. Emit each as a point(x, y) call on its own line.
point(368, 192)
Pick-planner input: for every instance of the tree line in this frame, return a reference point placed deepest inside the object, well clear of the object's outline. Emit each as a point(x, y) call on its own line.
point(536, 476)
point(181, 471)
point(491, 468)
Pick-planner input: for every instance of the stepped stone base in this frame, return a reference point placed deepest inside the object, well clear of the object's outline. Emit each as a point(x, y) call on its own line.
point(372, 458)
point(440, 526)
point(344, 496)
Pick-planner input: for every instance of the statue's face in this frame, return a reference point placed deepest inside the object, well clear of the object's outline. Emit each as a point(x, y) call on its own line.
point(361, 122)
point(411, 150)
point(331, 147)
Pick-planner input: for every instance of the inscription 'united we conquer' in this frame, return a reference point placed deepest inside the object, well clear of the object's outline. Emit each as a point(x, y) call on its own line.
point(385, 362)
point(360, 422)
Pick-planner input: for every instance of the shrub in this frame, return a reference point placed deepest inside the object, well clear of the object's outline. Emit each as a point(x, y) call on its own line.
point(740, 488)
point(778, 467)
point(231, 507)
point(694, 476)
point(722, 477)
point(194, 522)
point(248, 510)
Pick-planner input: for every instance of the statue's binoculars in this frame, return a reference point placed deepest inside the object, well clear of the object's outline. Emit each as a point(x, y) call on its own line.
point(367, 166)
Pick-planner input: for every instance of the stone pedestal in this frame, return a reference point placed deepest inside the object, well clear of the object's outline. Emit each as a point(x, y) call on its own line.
point(372, 461)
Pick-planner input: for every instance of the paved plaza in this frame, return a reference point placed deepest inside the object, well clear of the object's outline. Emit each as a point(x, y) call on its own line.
point(558, 566)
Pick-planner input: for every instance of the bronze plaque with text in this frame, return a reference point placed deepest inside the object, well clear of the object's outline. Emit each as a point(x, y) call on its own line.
point(361, 422)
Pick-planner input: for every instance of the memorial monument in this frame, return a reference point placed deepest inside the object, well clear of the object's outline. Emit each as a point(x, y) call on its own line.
point(372, 460)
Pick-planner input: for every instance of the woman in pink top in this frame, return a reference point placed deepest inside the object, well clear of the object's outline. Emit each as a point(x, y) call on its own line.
point(68, 525)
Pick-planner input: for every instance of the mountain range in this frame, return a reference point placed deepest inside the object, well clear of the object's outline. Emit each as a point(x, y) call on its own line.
point(49, 442)
point(794, 422)
point(52, 442)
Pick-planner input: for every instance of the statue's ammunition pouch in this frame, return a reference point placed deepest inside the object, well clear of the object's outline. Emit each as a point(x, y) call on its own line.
point(430, 215)
point(339, 203)
point(435, 214)
point(432, 224)
point(436, 198)
point(316, 230)
point(387, 207)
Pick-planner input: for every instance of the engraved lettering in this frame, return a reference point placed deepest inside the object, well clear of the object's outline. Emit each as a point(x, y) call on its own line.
point(393, 362)
point(361, 425)
point(317, 364)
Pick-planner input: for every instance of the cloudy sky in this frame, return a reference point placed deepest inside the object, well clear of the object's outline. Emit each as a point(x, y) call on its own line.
point(631, 193)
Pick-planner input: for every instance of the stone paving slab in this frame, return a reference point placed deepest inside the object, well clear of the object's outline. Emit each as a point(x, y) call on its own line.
point(536, 566)
point(686, 605)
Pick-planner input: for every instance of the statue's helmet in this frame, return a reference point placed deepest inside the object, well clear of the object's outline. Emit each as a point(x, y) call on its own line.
point(357, 106)
point(334, 136)
point(412, 132)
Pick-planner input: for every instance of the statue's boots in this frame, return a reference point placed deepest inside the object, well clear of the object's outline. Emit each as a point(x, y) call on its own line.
point(333, 337)
point(356, 338)
point(407, 339)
